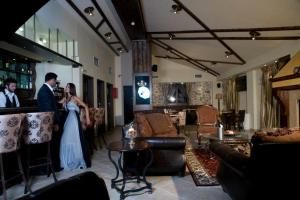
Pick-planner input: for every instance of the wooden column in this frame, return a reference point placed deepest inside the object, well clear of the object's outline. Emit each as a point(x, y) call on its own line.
point(142, 68)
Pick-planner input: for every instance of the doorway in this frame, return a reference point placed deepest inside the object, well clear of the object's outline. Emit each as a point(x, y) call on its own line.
point(110, 106)
point(88, 90)
point(128, 104)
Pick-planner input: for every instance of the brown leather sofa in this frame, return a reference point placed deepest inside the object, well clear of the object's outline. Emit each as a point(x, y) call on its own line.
point(167, 147)
point(271, 171)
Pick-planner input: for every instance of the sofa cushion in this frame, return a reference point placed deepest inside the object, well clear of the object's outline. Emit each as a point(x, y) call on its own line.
point(277, 135)
point(144, 129)
point(161, 124)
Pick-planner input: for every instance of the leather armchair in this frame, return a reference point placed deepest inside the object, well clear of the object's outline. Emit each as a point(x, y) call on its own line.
point(207, 117)
point(267, 174)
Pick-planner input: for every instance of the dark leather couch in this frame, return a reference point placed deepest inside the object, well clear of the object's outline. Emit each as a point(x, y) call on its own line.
point(271, 172)
point(86, 185)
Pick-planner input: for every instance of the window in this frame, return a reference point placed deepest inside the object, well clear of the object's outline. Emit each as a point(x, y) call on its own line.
point(177, 94)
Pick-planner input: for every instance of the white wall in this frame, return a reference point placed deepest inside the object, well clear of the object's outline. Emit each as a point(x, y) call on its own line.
point(64, 74)
point(118, 102)
point(58, 14)
point(169, 71)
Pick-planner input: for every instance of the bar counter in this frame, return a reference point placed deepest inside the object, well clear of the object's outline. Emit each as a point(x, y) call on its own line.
point(4, 111)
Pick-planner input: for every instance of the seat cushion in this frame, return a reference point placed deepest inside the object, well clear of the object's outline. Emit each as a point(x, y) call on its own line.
point(278, 135)
point(161, 124)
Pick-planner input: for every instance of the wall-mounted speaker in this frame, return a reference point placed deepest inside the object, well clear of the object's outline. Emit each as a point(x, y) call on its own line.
point(218, 85)
point(154, 68)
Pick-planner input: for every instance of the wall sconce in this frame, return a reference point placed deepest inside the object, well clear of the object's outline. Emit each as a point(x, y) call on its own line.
point(89, 11)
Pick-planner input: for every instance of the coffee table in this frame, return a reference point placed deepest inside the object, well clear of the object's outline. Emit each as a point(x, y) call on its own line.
point(119, 183)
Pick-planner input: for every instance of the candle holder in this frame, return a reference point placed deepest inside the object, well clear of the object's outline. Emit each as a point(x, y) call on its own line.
point(131, 134)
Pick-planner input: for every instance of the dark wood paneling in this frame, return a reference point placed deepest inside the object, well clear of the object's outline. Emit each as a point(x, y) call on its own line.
point(141, 56)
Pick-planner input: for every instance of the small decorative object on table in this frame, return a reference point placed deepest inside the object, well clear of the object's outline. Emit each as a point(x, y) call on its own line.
point(131, 134)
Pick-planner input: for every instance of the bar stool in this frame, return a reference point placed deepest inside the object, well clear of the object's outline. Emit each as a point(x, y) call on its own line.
point(10, 142)
point(38, 130)
point(99, 120)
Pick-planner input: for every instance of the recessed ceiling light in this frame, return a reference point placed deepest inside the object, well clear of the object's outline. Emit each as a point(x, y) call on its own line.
point(227, 54)
point(176, 8)
point(254, 34)
point(108, 35)
point(120, 49)
point(171, 36)
point(43, 40)
point(265, 65)
point(132, 23)
point(276, 61)
point(89, 11)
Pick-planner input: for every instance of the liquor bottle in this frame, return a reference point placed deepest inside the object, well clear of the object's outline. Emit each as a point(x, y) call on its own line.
point(219, 127)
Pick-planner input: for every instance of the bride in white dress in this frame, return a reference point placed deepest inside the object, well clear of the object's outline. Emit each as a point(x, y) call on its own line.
point(73, 148)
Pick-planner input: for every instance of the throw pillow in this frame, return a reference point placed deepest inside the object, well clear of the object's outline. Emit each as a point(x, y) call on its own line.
point(143, 128)
point(277, 135)
point(160, 123)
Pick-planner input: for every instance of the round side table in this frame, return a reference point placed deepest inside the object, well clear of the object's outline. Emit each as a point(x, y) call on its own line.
point(119, 183)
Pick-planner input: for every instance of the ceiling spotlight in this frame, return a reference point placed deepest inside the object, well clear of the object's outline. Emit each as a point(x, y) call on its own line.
point(108, 35)
point(171, 36)
point(120, 49)
point(169, 50)
point(276, 61)
point(43, 40)
point(227, 54)
point(176, 8)
point(254, 34)
point(89, 11)
point(132, 23)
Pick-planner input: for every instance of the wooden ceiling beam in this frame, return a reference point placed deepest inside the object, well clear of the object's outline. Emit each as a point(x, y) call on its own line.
point(109, 24)
point(230, 38)
point(282, 28)
point(189, 12)
point(202, 60)
point(100, 24)
point(71, 3)
point(184, 57)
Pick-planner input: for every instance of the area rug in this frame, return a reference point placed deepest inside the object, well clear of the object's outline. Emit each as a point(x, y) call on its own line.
point(202, 166)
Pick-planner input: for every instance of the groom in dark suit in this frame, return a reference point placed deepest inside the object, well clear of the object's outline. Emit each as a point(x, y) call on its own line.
point(47, 103)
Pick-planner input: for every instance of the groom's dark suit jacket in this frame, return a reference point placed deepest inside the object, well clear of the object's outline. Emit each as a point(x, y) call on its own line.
point(46, 102)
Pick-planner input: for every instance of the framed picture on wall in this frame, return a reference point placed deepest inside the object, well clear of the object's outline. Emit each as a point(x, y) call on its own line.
point(142, 89)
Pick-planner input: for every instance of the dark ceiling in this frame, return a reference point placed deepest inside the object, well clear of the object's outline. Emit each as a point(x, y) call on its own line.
point(14, 13)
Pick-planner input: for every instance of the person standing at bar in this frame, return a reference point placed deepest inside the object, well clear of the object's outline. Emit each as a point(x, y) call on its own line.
point(8, 98)
point(47, 103)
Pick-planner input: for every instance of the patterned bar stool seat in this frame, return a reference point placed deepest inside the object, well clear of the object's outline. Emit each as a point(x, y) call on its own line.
point(9, 142)
point(38, 130)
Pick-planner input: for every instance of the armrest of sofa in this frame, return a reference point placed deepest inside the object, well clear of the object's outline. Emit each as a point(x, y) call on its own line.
point(237, 161)
point(86, 185)
point(176, 143)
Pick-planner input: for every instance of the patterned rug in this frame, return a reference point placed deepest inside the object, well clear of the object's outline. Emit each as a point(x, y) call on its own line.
point(202, 166)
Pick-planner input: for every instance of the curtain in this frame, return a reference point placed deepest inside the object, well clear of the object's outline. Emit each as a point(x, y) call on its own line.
point(231, 97)
point(270, 108)
point(189, 91)
point(165, 89)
